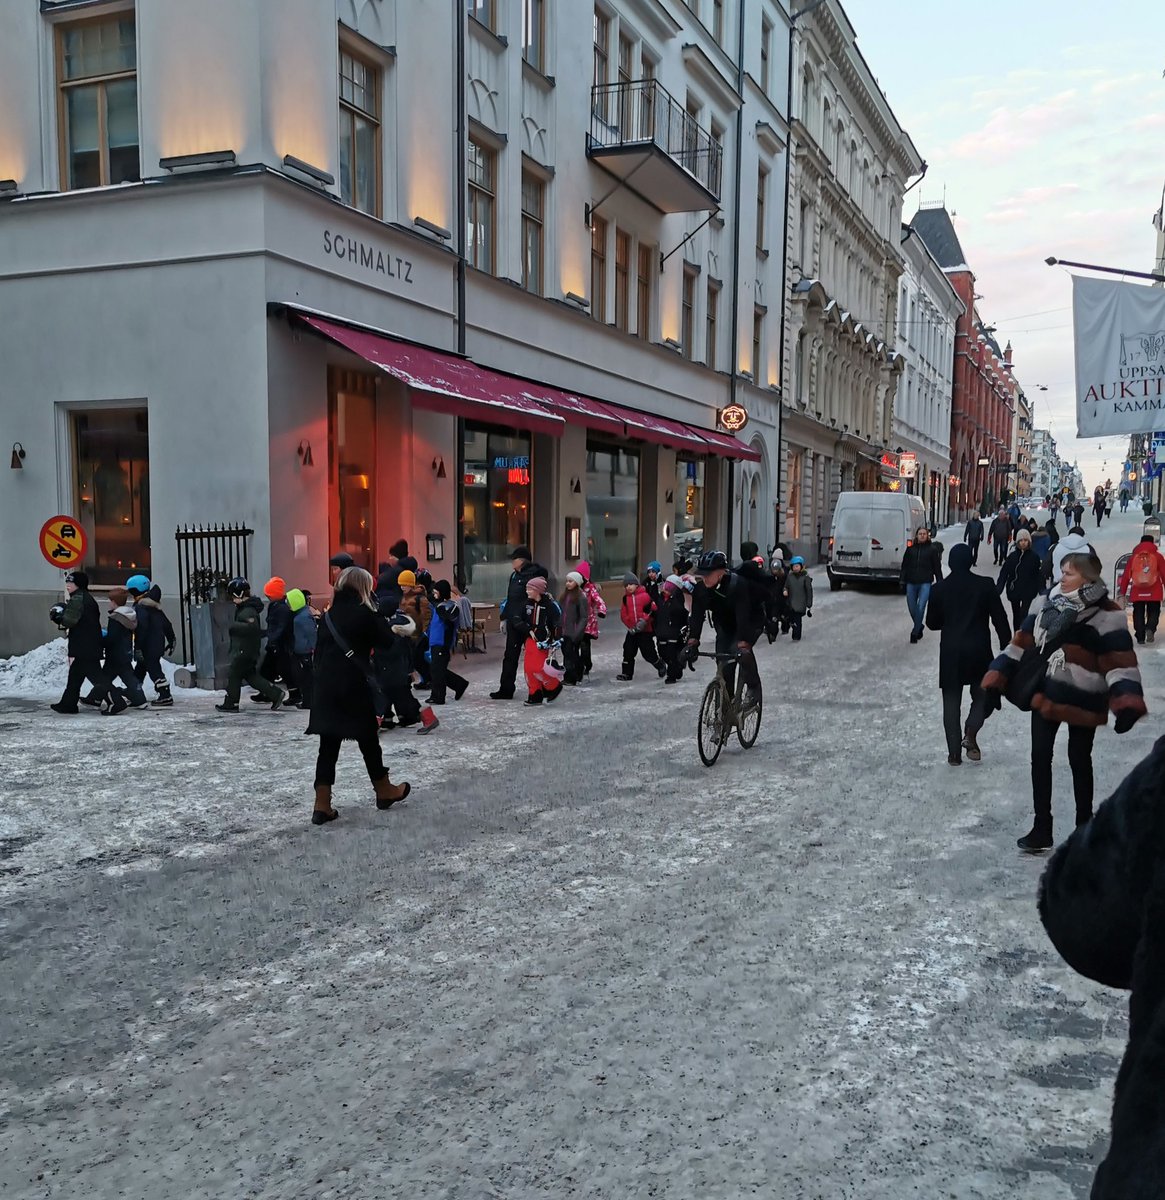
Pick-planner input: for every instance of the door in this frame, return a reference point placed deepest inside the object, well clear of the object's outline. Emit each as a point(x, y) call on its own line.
point(851, 538)
point(887, 539)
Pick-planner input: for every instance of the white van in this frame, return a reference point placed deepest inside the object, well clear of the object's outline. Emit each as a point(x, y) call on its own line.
point(871, 531)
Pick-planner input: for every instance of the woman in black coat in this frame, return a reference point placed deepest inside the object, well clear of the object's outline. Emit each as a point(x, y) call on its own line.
point(963, 607)
point(922, 565)
point(1102, 899)
point(1022, 577)
point(343, 705)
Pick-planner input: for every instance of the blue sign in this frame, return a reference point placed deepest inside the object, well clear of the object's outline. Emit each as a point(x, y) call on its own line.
point(504, 462)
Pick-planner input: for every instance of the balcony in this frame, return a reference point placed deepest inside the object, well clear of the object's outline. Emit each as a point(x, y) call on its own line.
point(643, 136)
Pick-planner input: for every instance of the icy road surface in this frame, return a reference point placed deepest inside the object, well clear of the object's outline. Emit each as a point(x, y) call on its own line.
point(575, 964)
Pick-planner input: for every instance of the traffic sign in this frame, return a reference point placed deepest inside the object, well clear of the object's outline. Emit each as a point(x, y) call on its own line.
point(63, 542)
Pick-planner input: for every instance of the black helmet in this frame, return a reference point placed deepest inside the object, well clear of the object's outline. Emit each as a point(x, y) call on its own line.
point(238, 586)
point(711, 560)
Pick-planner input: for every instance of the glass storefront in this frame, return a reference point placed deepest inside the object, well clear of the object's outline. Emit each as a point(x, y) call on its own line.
point(352, 465)
point(689, 509)
point(495, 515)
point(611, 535)
point(112, 448)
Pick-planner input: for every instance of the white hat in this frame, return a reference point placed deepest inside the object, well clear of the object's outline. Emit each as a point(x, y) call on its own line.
point(575, 578)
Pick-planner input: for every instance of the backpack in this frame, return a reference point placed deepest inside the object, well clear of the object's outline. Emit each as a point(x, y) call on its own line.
point(1143, 569)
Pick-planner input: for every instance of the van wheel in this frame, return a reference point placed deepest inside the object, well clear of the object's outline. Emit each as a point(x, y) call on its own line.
point(834, 584)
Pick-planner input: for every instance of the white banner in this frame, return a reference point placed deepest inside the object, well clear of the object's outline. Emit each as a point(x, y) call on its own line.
point(1120, 356)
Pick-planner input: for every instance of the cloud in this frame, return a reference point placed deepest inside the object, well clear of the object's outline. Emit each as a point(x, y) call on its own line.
point(1010, 130)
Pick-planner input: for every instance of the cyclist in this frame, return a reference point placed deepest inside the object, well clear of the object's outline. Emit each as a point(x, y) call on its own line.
point(737, 608)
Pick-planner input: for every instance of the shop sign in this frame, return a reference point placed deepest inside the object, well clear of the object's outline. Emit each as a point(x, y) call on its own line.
point(367, 256)
point(889, 465)
point(511, 462)
point(908, 466)
point(733, 418)
point(475, 477)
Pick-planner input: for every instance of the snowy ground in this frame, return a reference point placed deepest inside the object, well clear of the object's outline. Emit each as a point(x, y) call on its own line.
point(575, 964)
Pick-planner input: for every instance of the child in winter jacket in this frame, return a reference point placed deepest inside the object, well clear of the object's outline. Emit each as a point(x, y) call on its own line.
point(119, 637)
point(575, 618)
point(304, 630)
point(798, 595)
point(671, 628)
point(442, 639)
point(637, 613)
point(246, 632)
point(596, 611)
point(275, 663)
point(415, 605)
point(153, 638)
point(542, 625)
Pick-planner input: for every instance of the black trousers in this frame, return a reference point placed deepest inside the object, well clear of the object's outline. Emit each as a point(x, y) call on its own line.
point(81, 669)
point(638, 643)
point(795, 624)
point(119, 667)
point(953, 715)
point(1000, 552)
point(572, 658)
point(1146, 614)
point(273, 664)
point(974, 552)
point(513, 655)
point(304, 674)
point(330, 752)
point(672, 656)
point(152, 667)
point(1019, 612)
point(584, 653)
point(442, 676)
point(1080, 739)
point(246, 670)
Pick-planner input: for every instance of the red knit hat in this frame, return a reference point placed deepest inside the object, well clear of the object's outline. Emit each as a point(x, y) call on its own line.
point(537, 584)
point(275, 588)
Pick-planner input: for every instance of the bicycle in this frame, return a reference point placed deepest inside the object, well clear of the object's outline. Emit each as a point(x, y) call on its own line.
point(723, 710)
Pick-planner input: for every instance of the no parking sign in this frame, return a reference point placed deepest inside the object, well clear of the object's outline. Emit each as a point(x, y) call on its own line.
point(63, 542)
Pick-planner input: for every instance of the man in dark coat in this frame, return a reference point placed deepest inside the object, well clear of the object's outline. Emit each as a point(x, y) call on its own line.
point(388, 590)
point(514, 617)
point(999, 535)
point(973, 536)
point(1102, 899)
point(81, 619)
point(963, 607)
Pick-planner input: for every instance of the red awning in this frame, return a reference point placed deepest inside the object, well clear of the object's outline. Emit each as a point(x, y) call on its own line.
point(443, 382)
point(575, 409)
point(728, 446)
point(662, 431)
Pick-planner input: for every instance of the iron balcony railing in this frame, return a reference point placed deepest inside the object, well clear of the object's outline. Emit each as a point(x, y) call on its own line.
point(643, 112)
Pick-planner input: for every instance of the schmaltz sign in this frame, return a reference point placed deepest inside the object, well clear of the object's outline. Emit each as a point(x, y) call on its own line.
point(733, 418)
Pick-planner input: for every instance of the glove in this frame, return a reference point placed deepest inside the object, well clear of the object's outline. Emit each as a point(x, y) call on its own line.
point(1125, 721)
point(693, 653)
point(640, 625)
point(809, 612)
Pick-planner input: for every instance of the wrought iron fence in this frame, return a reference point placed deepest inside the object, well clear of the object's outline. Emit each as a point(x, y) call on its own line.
point(643, 111)
point(208, 557)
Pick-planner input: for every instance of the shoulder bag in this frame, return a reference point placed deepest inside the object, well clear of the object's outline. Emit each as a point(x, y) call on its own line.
point(375, 690)
point(1029, 676)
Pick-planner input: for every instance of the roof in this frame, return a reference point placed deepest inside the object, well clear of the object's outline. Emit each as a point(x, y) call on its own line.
point(937, 231)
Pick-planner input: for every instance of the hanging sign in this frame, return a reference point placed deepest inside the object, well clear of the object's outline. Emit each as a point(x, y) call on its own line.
point(1120, 356)
point(63, 542)
point(889, 466)
point(908, 465)
point(733, 418)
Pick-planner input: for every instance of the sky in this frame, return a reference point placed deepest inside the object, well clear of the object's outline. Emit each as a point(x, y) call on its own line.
point(1043, 124)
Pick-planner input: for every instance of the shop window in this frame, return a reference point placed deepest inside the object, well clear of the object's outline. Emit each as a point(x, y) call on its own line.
point(352, 465)
point(98, 103)
point(612, 520)
point(112, 456)
point(533, 235)
point(359, 133)
point(689, 514)
point(495, 512)
point(483, 173)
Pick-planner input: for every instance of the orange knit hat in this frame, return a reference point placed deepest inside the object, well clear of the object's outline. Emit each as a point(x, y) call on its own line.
point(275, 588)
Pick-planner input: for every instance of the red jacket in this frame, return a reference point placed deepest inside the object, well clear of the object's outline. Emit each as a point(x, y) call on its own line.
point(1136, 589)
point(638, 607)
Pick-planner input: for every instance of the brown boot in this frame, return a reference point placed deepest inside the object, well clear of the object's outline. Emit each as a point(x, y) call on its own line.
point(388, 793)
point(323, 812)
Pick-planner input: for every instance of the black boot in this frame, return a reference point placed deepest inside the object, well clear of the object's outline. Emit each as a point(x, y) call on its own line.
point(164, 700)
point(1040, 838)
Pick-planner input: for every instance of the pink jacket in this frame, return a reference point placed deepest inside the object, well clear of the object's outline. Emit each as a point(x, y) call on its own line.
point(597, 608)
point(638, 607)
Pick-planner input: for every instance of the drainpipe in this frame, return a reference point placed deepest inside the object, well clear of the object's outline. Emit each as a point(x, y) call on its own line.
point(459, 19)
point(734, 377)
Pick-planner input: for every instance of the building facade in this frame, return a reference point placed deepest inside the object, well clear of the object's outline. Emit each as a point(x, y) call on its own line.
point(983, 414)
point(1046, 466)
point(849, 170)
point(928, 313)
point(1022, 441)
point(250, 276)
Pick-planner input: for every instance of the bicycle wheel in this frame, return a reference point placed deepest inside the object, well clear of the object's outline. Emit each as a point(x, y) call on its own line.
point(712, 728)
point(748, 720)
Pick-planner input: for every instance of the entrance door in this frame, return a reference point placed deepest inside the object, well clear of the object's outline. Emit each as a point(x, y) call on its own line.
point(352, 465)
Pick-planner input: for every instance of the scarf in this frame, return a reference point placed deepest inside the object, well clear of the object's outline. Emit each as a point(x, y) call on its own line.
point(1062, 610)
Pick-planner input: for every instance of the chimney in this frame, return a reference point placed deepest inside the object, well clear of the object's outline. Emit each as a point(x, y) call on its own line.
point(1007, 353)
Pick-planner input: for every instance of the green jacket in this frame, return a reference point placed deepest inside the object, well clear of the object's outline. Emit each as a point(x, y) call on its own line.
point(246, 629)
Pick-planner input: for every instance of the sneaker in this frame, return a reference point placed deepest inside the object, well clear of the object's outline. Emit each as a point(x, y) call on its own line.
point(913, 637)
point(164, 702)
point(90, 700)
point(142, 703)
point(972, 748)
point(1035, 841)
point(501, 695)
point(227, 707)
point(624, 678)
point(117, 706)
point(64, 709)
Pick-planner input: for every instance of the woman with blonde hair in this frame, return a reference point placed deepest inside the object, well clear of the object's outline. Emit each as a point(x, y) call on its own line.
point(344, 702)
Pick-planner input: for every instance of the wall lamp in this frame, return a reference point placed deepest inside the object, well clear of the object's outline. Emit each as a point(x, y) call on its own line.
point(305, 168)
point(211, 158)
point(435, 547)
point(575, 298)
point(303, 453)
point(438, 231)
point(439, 467)
point(17, 463)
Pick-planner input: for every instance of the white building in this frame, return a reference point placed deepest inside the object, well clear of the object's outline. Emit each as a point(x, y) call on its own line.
point(928, 308)
point(229, 273)
point(1046, 470)
point(850, 166)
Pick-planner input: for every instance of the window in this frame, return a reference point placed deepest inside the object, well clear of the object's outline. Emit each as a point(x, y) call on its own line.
point(612, 514)
point(533, 217)
point(762, 187)
point(689, 511)
point(626, 108)
point(483, 163)
point(534, 33)
point(112, 456)
point(799, 367)
point(98, 103)
point(758, 336)
point(766, 46)
point(359, 134)
point(710, 318)
point(484, 11)
point(598, 268)
point(806, 250)
point(643, 302)
point(688, 313)
point(352, 464)
point(602, 57)
point(718, 21)
point(622, 280)
point(495, 513)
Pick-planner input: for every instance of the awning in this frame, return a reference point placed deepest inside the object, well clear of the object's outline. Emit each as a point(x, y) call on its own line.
point(661, 431)
point(443, 382)
point(728, 446)
point(575, 409)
